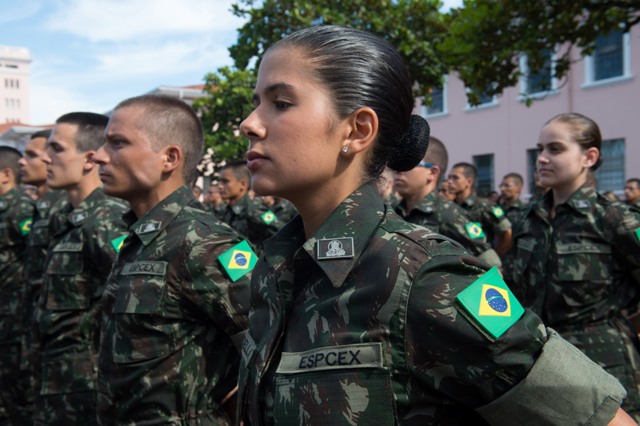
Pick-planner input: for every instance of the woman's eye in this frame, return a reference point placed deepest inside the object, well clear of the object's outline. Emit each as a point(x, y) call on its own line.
point(281, 105)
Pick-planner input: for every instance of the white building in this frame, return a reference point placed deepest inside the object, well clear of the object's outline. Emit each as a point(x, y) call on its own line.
point(14, 84)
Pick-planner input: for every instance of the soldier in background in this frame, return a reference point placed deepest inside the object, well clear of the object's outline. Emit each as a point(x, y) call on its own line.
point(176, 303)
point(491, 217)
point(632, 193)
point(421, 205)
point(16, 215)
point(248, 217)
point(509, 200)
point(83, 246)
point(33, 171)
point(213, 201)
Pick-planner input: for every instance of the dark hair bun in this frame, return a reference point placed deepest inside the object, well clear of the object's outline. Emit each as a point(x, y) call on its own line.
point(412, 146)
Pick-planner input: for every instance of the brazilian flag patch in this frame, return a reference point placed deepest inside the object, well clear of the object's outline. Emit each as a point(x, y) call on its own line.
point(268, 217)
point(117, 243)
point(498, 212)
point(638, 233)
point(25, 226)
point(474, 230)
point(238, 260)
point(490, 305)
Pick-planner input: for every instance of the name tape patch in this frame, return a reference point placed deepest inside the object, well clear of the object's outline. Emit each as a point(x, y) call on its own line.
point(145, 268)
point(68, 247)
point(362, 355)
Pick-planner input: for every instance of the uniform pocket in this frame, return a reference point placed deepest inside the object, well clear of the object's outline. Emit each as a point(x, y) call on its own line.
point(585, 270)
point(68, 375)
point(342, 385)
point(66, 287)
point(141, 329)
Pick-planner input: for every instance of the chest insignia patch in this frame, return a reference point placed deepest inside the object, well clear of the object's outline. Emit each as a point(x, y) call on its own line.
point(148, 227)
point(490, 305)
point(336, 248)
point(78, 217)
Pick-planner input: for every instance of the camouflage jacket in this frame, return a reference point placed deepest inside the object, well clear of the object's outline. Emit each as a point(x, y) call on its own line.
point(252, 220)
point(360, 325)
point(448, 219)
point(171, 314)
point(284, 211)
point(490, 216)
point(575, 268)
point(77, 265)
point(16, 214)
point(514, 210)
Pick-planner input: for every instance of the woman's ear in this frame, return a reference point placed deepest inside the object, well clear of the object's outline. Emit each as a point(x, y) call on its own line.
point(591, 156)
point(363, 130)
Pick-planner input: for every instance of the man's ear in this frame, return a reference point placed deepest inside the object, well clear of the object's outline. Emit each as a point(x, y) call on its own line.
point(88, 160)
point(363, 130)
point(172, 158)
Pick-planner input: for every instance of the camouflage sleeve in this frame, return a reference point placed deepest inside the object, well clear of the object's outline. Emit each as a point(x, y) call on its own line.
point(563, 387)
point(626, 242)
point(444, 347)
point(109, 226)
point(208, 294)
point(23, 218)
point(262, 222)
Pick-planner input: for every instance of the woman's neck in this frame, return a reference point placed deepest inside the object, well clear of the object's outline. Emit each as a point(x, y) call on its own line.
point(562, 193)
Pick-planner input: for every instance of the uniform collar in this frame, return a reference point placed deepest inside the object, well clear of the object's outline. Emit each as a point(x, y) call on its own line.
point(469, 201)
point(348, 228)
point(80, 214)
point(426, 205)
point(157, 219)
point(241, 206)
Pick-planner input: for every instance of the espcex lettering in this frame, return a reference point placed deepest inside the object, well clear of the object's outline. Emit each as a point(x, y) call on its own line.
point(143, 267)
point(330, 358)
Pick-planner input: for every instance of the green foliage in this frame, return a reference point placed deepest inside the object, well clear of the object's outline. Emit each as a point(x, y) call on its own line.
point(229, 97)
point(487, 37)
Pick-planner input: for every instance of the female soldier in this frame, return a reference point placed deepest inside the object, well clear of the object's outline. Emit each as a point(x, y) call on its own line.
point(577, 256)
point(357, 316)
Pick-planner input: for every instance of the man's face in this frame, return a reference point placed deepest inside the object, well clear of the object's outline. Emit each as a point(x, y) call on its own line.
point(231, 188)
point(66, 166)
point(33, 170)
point(632, 192)
point(413, 182)
point(509, 189)
point(457, 181)
point(130, 167)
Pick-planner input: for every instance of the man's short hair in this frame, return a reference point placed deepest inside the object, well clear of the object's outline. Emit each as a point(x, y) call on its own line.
point(634, 180)
point(239, 169)
point(9, 157)
point(468, 170)
point(437, 154)
point(90, 133)
point(517, 177)
point(170, 121)
point(41, 134)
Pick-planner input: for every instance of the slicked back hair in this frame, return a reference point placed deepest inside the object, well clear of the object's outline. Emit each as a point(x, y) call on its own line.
point(90, 133)
point(170, 121)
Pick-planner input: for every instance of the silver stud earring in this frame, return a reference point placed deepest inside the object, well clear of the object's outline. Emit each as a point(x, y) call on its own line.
point(345, 149)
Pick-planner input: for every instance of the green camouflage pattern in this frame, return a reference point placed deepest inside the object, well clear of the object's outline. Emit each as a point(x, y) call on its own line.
point(446, 218)
point(284, 210)
point(514, 212)
point(171, 316)
point(483, 211)
point(359, 325)
point(76, 269)
point(16, 211)
point(578, 271)
point(245, 217)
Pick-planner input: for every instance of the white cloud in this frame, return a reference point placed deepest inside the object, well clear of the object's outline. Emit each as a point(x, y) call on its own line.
point(122, 20)
point(48, 102)
point(18, 10)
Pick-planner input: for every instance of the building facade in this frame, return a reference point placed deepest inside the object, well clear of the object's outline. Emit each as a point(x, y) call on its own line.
point(14, 84)
point(500, 135)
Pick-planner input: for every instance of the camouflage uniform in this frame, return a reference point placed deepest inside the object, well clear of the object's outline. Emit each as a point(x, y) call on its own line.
point(284, 211)
point(173, 321)
point(37, 248)
point(514, 212)
point(490, 216)
point(252, 220)
point(574, 269)
point(80, 255)
point(373, 335)
point(16, 213)
point(448, 219)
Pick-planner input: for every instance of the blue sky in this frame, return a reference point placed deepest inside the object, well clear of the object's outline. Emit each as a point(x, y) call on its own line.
point(87, 55)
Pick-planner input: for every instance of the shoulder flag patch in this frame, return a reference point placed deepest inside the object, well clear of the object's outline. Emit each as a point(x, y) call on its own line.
point(490, 304)
point(498, 212)
point(638, 233)
point(25, 226)
point(268, 217)
point(238, 260)
point(474, 230)
point(118, 242)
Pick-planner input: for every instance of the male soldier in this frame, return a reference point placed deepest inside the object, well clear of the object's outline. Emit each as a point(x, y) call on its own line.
point(213, 201)
point(82, 249)
point(33, 171)
point(421, 205)
point(16, 213)
point(249, 217)
point(632, 193)
point(510, 190)
point(491, 217)
point(173, 318)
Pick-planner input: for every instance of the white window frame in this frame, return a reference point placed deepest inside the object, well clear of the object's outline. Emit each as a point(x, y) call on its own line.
point(589, 63)
point(524, 83)
point(445, 104)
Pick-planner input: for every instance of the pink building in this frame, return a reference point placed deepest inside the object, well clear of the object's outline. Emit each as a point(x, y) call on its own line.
point(14, 84)
point(500, 135)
